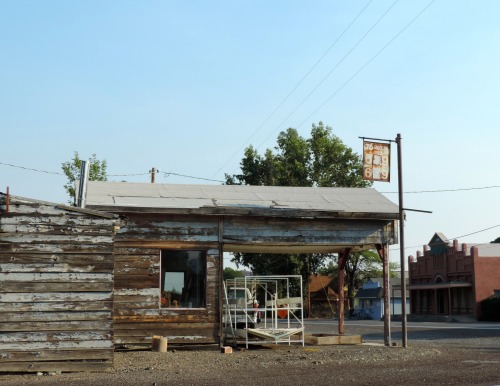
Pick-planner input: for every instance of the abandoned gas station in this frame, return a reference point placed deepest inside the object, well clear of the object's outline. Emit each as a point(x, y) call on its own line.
point(168, 237)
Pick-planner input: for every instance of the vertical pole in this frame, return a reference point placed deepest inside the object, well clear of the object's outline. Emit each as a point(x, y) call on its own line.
point(82, 184)
point(309, 286)
point(153, 174)
point(7, 200)
point(384, 256)
point(221, 282)
point(404, 331)
point(342, 258)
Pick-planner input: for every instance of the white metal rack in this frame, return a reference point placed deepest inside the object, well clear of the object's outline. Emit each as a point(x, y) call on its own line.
point(264, 310)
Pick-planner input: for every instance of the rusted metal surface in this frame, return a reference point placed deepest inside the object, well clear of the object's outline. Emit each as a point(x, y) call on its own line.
point(56, 288)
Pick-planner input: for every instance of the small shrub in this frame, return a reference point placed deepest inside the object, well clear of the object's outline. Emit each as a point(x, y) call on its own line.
point(490, 309)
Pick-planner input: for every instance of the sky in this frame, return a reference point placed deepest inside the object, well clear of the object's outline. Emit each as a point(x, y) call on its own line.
point(185, 87)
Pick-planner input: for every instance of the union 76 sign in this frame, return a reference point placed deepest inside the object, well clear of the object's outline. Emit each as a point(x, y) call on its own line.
point(376, 161)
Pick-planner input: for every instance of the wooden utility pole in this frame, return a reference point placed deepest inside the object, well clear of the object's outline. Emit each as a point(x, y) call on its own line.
point(404, 327)
point(153, 174)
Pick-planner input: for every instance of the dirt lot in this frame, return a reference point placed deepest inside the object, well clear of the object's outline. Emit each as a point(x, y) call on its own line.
point(437, 354)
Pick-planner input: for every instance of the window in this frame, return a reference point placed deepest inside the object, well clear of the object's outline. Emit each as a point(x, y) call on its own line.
point(183, 279)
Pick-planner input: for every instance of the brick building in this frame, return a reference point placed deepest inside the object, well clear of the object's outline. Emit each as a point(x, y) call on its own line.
point(448, 279)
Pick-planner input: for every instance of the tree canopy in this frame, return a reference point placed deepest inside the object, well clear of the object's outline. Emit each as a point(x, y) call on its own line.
point(322, 160)
point(97, 172)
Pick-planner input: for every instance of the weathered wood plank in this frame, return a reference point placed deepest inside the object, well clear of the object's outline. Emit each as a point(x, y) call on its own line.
point(57, 306)
point(56, 345)
point(62, 366)
point(161, 325)
point(37, 287)
point(137, 281)
point(133, 269)
point(65, 229)
point(35, 238)
point(53, 336)
point(57, 355)
point(139, 260)
point(56, 277)
point(137, 292)
point(141, 304)
point(55, 297)
point(165, 315)
point(136, 251)
point(174, 336)
point(62, 248)
point(19, 317)
point(73, 325)
point(72, 267)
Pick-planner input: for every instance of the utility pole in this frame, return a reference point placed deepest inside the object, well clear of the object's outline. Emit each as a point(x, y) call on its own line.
point(404, 326)
point(153, 174)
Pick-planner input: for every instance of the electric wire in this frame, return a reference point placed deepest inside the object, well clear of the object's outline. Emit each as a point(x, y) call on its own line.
point(456, 238)
point(166, 174)
point(327, 76)
point(366, 64)
point(294, 88)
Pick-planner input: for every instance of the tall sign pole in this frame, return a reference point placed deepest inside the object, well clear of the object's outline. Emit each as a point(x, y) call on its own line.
point(376, 167)
point(404, 327)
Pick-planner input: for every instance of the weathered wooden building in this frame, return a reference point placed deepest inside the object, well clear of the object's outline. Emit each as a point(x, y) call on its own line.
point(56, 287)
point(169, 252)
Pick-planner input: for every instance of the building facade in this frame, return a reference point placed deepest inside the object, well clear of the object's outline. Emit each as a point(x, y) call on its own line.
point(450, 279)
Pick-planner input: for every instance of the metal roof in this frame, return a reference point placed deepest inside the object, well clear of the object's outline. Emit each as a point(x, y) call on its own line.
point(344, 202)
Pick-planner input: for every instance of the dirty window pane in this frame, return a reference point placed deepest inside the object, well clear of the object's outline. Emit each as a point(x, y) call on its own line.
point(183, 279)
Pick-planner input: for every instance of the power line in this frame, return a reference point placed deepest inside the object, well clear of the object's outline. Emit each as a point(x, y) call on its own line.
point(111, 175)
point(167, 174)
point(446, 190)
point(30, 169)
point(458, 237)
point(295, 87)
point(367, 63)
point(327, 75)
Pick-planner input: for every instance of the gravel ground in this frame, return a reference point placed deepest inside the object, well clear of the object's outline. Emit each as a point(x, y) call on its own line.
point(437, 354)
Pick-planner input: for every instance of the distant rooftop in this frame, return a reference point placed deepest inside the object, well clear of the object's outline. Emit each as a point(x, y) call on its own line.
point(253, 200)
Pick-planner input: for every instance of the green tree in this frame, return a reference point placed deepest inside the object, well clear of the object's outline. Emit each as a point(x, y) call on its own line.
point(231, 273)
point(359, 267)
point(321, 160)
point(97, 172)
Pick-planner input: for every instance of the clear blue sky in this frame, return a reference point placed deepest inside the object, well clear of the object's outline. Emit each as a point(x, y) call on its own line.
point(186, 86)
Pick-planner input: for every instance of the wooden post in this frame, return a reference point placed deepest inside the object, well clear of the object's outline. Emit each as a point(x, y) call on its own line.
point(384, 256)
point(153, 174)
point(343, 256)
point(221, 282)
point(159, 343)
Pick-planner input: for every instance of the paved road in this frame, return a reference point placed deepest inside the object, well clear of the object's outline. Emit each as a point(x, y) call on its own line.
point(373, 331)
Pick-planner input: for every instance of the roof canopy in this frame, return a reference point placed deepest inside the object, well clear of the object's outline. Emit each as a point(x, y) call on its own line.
point(241, 200)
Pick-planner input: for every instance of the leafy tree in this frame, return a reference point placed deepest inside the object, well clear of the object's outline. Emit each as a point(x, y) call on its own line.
point(496, 241)
point(97, 172)
point(231, 273)
point(322, 160)
point(359, 267)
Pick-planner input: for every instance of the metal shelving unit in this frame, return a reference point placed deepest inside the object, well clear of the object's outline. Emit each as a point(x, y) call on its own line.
point(264, 310)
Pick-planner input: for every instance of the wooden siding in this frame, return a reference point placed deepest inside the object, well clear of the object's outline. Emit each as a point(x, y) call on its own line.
point(254, 234)
point(137, 312)
point(56, 288)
